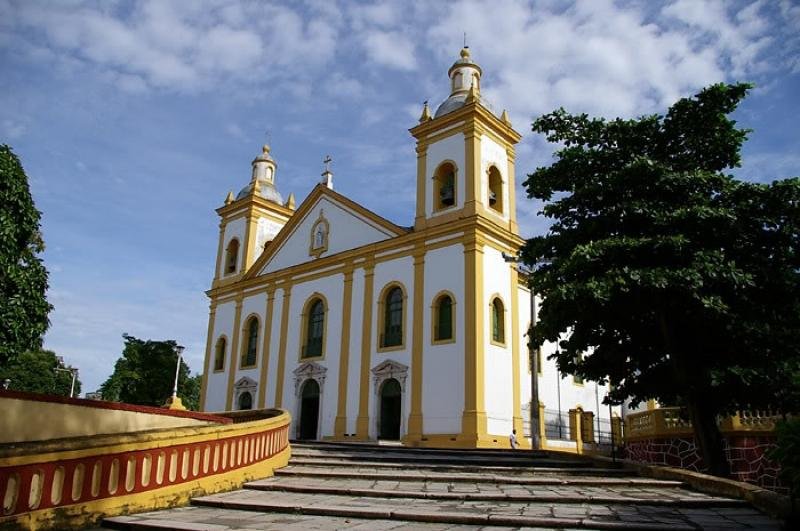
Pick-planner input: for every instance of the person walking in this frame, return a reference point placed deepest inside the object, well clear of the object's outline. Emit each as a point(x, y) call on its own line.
point(512, 439)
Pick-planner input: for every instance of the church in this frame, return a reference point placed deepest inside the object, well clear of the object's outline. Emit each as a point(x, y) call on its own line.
point(366, 330)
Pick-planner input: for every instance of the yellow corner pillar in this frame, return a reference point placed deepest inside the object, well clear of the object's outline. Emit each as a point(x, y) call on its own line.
point(414, 435)
point(515, 371)
point(234, 356)
point(362, 421)
point(473, 421)
point(422, 182)
point(285, 305)
point(512, 192)
point(472, 176)
point(212, 313)
point(268, 316)
point(340, 423)
point(250, 232)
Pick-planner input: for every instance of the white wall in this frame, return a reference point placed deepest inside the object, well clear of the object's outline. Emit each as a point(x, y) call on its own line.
point(217, 383)
point(450, 148)
point(347, 230)
point(443, 364)
point(493, 153)
point(233, 229)
point(497, 359)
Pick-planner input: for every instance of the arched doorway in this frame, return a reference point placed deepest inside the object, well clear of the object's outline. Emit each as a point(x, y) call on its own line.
point(390, 410)
point(309, 409)
point(245, 400)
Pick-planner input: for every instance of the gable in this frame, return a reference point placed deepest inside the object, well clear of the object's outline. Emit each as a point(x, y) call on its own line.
point(345, 225)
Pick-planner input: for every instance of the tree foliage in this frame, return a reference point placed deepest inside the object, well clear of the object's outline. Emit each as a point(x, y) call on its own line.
point(23, 277)
point(145, 375)
point(675, 280)
point(35, 371)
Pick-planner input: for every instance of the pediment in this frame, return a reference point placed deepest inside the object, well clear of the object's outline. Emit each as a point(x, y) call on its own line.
point(346, 225)
point(245, 383)
point(390, 369)
point(310, 369)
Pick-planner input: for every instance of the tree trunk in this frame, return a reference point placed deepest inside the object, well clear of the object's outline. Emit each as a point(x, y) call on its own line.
point(708, 436)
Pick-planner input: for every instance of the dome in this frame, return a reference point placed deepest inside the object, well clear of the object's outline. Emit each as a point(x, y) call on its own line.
point(266, 191)
point(456, 101)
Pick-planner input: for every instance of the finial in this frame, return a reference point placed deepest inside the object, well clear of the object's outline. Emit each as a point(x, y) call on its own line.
point(472, 95)
point(265, 149)
point(504, 117)
point(327, 175)
point(426, 113)
point(465, 52)
point(229, 199)
point(290, 202)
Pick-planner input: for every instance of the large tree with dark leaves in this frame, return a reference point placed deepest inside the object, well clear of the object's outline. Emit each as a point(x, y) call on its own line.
point(40, 371)
point(145, 374)
point(660, 273)
point(23, 277)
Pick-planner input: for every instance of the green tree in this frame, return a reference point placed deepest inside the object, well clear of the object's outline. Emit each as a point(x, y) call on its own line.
point(190, 395)
point(23, 277)
point(676, 281)
point(145, 374)
point(35, 371)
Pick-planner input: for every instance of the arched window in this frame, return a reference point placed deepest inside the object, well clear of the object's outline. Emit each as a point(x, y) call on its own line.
point(443, 318)
point(246, 400)
point(251, 345)
point(315, 327)
point(231, 256)
point(498, 321)
point(495, 189)
point(393, 318)
point(458, 81)
point(219, 354)
point(444, 186)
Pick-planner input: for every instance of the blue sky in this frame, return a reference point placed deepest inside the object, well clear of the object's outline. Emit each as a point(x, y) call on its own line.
point(134, 119)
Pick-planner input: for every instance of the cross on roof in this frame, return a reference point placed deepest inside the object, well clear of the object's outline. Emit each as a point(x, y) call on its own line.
point(327, 161)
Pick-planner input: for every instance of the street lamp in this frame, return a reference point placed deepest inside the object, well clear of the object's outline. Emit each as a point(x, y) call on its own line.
point(74, 372)
point(6, 383)
point(534, 413)
point(174, 402)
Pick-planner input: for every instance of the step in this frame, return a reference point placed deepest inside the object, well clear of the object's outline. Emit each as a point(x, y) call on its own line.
point(460, 477)
point(671, 497)
point(618, 515)
point(400, 465)
point(323, 446)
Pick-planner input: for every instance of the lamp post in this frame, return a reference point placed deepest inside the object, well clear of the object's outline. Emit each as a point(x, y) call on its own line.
point(174, 402)
point(534, 412)
point(6, 383)
point(74, 372)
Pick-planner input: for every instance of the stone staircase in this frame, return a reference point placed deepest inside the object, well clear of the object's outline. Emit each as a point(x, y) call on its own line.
point(369, 487)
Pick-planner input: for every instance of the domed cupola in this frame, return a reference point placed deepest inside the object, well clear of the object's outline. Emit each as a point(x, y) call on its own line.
point(465, 78)
point(262, 182)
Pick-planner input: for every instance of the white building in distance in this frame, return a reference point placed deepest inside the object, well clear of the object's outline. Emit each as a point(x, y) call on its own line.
point(363, 329)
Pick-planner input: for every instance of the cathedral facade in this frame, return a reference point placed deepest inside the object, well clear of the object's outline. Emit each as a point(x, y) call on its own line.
point(366, 330)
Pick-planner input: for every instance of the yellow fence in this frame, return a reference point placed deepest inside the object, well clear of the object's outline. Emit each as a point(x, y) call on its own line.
point(668, 422)
point(73, 482)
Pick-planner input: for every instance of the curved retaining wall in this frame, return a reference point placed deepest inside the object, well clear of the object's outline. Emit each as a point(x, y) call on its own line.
point(73, 482)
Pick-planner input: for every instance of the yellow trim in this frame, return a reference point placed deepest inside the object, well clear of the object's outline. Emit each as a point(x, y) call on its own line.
point(304, 327)
point(515, 372)
point(362, 421)
point(305, 207)
point(317, 251)
point(435, 318)
point(414, 430)
point(212, 313)
point(422, 155)
point(221, 337)
point(287, 300)
point(268, 318)
point(492, 340)
point(512, 190)
point(250, 233)
point(237, 319)
point(473, 422)
point(340, 423)
point(243, 353)
point(220, 250)
point(381, 321)
point(436, 205)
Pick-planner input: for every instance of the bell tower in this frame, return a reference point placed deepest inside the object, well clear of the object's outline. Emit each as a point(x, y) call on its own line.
point(465, 156)
point(250, 220)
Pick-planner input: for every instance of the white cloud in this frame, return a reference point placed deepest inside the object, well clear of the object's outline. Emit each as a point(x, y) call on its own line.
point(13, 129)
point(390, 48)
